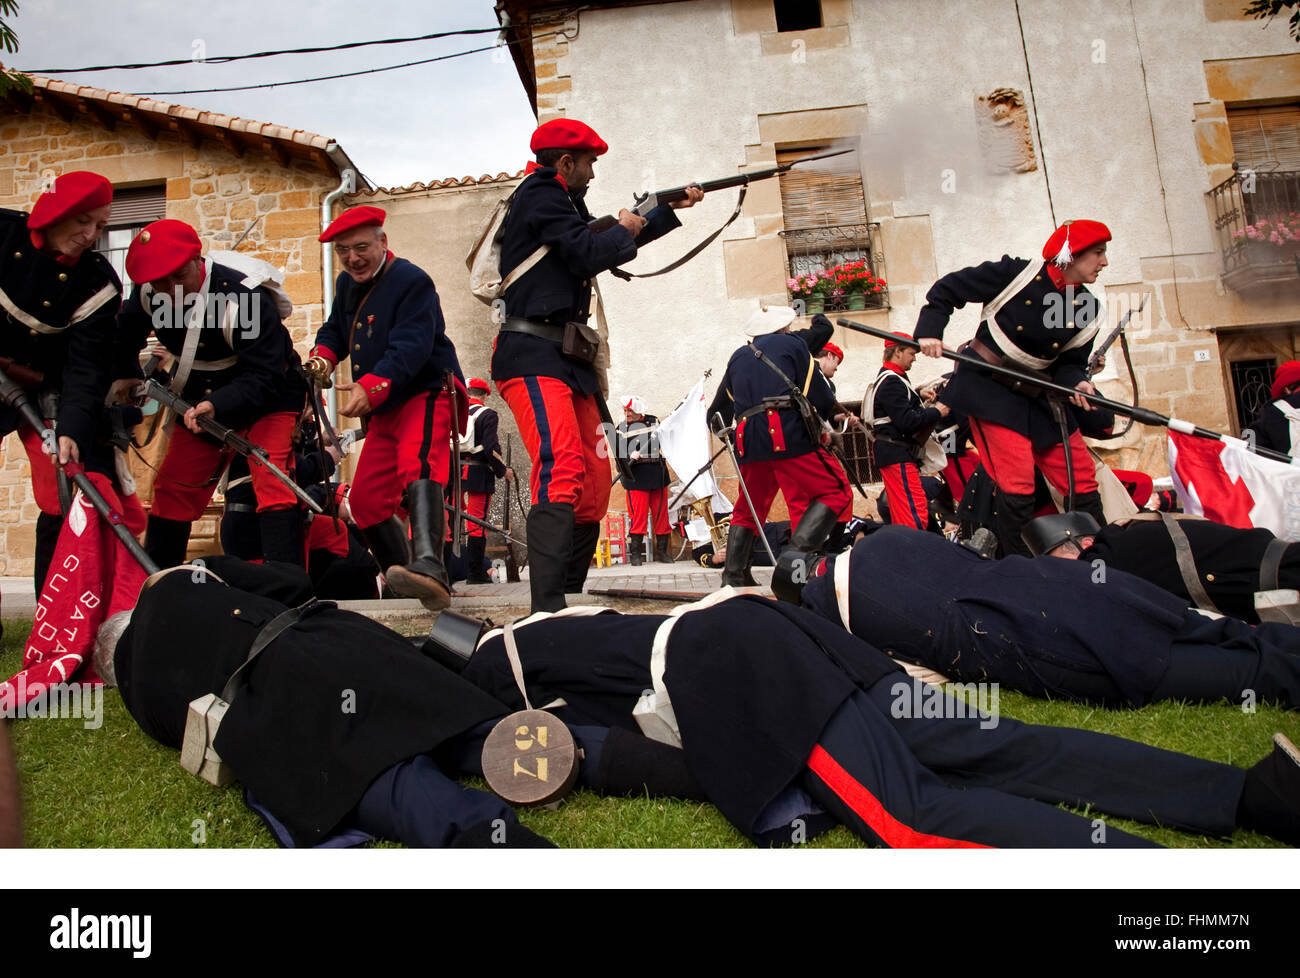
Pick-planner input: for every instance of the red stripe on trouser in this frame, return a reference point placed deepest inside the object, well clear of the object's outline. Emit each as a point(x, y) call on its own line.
point(907, 502)
point(180, 493)
point(475, 504)
point(803, 479)
point(867, 807)
point(401, 446)
point(1010, 459)
point(45, 486)
point(640, 504)
point(571, 465)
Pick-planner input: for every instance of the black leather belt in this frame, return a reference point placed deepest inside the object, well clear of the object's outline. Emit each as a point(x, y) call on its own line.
point(515, 324)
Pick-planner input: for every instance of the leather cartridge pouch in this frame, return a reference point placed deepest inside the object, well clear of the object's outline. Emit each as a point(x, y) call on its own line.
point(580, 342)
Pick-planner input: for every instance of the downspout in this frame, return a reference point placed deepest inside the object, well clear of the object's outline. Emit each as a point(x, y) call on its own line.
point(348, 185)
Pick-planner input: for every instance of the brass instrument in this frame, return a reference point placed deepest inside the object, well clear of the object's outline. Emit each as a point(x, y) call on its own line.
point(718, 528)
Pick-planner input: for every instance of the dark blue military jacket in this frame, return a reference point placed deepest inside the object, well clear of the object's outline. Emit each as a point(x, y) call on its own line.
point(57, 319)
point(651, 471)
point(894, 440)
point(557, 289)
point(1003, 621)
point(1041, 320)
point(264, 377)
point(753, 683)
point(777, 433)
point(1271, 427)
point(483, 466)
point(392, 329)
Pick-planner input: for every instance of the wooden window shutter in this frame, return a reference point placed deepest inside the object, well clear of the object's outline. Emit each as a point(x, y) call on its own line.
point(138, 205)
point(823, 194)
point(1266, 138)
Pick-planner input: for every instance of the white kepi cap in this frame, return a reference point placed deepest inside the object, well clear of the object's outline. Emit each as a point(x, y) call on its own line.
point(769, 319)
point(633, 403)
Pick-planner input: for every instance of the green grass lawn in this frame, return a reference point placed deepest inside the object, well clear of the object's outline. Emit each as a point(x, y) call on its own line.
point(113, 786)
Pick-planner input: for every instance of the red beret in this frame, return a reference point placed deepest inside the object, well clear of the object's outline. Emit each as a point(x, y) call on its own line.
point(160, 249)
point(1072, 239)
point(567, 134)
point(479, 384)
point(906, 336)
point(1287, 374)
point(72, 193)
point(356, 217)
point(832, 348)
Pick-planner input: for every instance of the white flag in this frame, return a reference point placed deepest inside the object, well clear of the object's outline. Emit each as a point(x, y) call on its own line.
point(685, 442)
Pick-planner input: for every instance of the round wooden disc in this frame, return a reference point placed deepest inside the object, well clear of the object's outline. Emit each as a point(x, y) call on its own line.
point(530, 758)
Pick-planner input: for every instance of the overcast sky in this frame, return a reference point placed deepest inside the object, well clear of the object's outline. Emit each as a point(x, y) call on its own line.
point(462, 117)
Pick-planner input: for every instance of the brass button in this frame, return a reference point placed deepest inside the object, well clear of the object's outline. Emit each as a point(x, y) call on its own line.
point(1209, 577)
point(45, 303)
point(357, 347)
point(18, 254)
point(32, 332)
point(207, 392)
point(384, 384)
point(1038, 278)
point(1071, 324)
point(1056, 346)
point(1029, 302)
point(1020, 329)
point(63, 276)
point(236, 612)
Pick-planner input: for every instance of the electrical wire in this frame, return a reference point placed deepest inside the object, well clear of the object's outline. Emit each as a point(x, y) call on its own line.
point(226, 59)
point(1033, 101)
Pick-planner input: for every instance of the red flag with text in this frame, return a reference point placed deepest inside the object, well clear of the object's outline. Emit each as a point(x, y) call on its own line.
point(91, 577)
point(1226, 482)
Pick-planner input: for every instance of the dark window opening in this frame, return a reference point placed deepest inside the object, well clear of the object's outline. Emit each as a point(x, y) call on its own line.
point(133, 208)
point(797, 15)
point(1251, 380)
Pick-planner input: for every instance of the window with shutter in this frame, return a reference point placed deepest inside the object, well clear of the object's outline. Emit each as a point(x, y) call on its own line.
point(1266, 138)
point(824, 209)
point(133, 208)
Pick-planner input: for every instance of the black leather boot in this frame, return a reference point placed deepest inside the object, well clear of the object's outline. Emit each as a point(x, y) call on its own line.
point(475, 547)
point(388, 543)
point(166, 540)
point(636, 549)
point(1090, 503)
point(585, 538)
point(550, 542)
point(1011, 511)
point(740, 548)
point(48, 527)
point(425, 577)
point(794, 566)
point(661, 552)
point(1270, 797)
point(281, 532)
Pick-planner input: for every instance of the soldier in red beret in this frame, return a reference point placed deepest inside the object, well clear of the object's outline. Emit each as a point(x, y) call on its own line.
point(482, 465)
point(235, 362)
point(58, 298)
point(553, 393)
point(1277, 426)
point(407, 385)
point(1037, 316)
point(900, 424)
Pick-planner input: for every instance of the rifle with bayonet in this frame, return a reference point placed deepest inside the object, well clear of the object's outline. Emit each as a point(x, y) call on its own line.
point(1094, 361)
point(1031, 382)
point(651, 199)
point(226, 436)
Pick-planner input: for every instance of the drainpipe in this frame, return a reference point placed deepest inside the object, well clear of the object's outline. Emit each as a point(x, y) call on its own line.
point(347, 186)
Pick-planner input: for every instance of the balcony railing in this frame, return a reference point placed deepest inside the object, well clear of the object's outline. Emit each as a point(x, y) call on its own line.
point(1248, 208)
point(818, 249)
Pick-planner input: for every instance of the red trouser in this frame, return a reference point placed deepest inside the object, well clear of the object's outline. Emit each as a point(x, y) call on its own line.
point(45, 486)
point(1010, 459)
point(182, 488)
point(803, 480)
point(475, 504)
point(907, 503)
point(409, 443)
point(562, 432)
point(640, 504)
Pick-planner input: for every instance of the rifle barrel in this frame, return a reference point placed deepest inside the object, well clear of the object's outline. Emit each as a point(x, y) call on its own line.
point(1140, 414)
